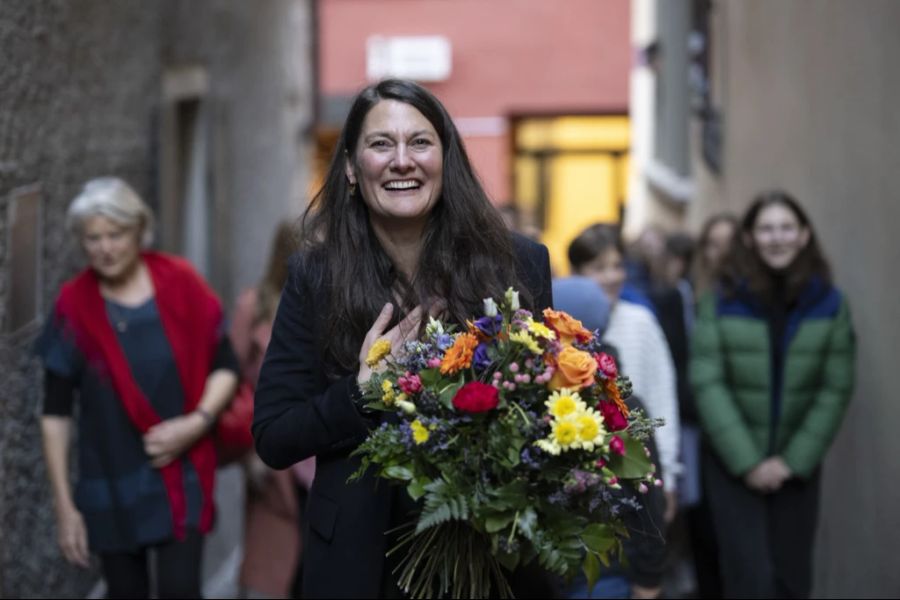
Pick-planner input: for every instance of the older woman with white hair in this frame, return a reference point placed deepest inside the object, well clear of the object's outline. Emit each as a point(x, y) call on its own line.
point(140, 337)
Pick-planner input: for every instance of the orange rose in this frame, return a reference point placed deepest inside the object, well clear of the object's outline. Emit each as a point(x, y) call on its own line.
point(566, 328)
point(574, 369)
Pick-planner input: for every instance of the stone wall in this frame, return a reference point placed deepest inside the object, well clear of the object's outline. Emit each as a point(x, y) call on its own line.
point(79, 83)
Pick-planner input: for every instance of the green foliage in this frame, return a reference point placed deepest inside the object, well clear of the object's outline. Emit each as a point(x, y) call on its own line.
point(634, 464)
point(442, 503)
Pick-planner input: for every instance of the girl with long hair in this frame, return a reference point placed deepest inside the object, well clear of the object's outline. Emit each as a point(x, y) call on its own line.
point(772, 370)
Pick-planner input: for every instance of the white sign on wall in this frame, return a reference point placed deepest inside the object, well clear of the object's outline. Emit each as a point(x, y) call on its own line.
point(422, 58)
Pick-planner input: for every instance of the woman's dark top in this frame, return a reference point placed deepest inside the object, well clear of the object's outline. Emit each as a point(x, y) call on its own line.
point(119, 493)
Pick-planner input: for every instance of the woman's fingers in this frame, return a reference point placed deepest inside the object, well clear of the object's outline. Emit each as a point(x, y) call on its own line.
point(162, 460)
point(378, 327)
point(73, 540)
point(436, 311)
point(82, 554)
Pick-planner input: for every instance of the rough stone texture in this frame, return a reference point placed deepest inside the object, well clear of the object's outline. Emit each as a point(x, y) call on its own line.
point(79, 83)
point(81, 89)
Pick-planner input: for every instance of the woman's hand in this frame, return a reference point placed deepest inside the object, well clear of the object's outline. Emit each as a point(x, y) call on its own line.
point(72, 536)
point(404, 331)
point(768, 476)
point(166, 441)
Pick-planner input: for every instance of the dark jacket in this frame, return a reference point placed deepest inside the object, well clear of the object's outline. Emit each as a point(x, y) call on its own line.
point(300, 412)
point(750, 408)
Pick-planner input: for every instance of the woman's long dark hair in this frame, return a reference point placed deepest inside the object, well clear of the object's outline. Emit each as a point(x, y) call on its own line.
point(467, 253)
point(744, 266)
point(704, 274)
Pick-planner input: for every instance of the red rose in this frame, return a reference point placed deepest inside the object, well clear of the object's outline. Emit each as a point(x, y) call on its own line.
point(476, 397)
point(617, 446)
point(607, 365)
point(612, 416)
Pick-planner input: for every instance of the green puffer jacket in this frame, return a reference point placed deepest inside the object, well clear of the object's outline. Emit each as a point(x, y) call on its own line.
point(731, 374)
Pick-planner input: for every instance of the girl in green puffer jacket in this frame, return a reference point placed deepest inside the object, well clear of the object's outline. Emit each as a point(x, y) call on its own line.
point(772, 371)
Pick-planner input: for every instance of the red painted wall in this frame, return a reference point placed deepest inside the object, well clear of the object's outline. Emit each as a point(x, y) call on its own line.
point(509, 57)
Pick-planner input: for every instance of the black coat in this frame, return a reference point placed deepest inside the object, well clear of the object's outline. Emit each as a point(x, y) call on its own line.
point(301, 412)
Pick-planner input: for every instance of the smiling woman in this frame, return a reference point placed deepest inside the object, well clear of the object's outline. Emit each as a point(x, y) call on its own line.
point(398, 167)
point(401, 229)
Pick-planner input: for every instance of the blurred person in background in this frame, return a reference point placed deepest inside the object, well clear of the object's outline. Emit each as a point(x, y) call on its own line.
point(713, 245)
point(692, 563)
point(598, 253)
point(137, 338)
point(275, 499)
point(644, 258)
point(641, 574)
point(772, 370)
point(401, 229)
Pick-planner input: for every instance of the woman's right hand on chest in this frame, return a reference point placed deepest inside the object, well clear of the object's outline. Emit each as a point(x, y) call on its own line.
point(404, 331)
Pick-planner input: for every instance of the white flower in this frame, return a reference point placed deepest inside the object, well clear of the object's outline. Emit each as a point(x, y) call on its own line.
point(406, 406)
point(490, 307)
point(434, 328)
point(512, 299)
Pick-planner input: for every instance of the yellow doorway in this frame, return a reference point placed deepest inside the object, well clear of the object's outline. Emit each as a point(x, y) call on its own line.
point(569, 172)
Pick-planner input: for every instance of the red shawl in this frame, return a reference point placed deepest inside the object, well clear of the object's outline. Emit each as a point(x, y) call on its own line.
point(191, 316)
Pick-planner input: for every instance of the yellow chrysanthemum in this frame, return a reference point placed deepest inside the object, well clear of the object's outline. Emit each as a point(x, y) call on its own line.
point(565, 433)
point(590, 429)
point(378, 351)
point(523, 338)
point(563, 403)
point(420, 432)
point(548, 446)
point(388, 394)
point(541, 330)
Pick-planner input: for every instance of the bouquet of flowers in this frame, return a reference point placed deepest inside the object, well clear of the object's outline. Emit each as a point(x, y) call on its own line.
point(514, 437)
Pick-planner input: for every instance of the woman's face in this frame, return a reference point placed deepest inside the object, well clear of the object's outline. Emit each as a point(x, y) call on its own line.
point(398, 164)
point(778, 237)
point(718, 242)
point(112, 249)
point(608, 270)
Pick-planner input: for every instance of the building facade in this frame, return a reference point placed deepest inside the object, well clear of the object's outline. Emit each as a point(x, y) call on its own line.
point(801, 96)
point(538, 90)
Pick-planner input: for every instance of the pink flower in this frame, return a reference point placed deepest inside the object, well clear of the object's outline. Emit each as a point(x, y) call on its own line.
point(617, 445)
point(410, 384)
point(434, 363)
point(612, 416)
point(476, 397)
point(607, 365)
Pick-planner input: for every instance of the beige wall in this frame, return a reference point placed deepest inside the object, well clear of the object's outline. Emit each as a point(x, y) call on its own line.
point(809, 93)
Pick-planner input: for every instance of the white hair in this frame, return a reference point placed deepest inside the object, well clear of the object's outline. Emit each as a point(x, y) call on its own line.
point(114, 199)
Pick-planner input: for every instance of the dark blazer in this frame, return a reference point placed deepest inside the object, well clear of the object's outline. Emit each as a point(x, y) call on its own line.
point(301, 412)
